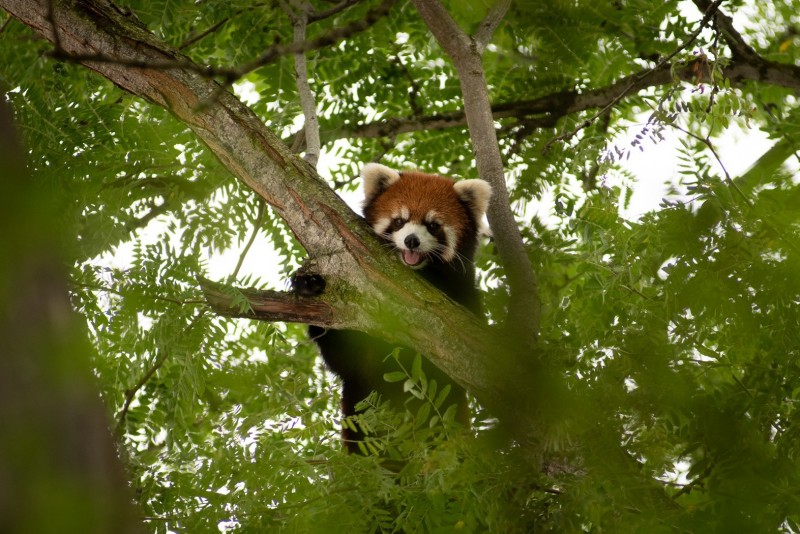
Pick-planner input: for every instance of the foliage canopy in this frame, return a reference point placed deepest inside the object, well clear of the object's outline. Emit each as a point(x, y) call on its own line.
point(676, 335)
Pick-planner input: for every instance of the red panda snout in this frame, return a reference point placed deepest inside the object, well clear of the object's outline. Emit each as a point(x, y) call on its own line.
point(416, 243)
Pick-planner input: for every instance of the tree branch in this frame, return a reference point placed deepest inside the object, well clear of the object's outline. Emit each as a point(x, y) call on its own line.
point(314, 16)
point(490, 23)
point(299, 18)
point(268, 305)
point(709, 13)
point(550, 108)
point(56, 451)
point(122, 293)
point(447, 32)
point(130, 393)
point(739, 48)
point(524, 307)
point(193, 39)
point(413, 93)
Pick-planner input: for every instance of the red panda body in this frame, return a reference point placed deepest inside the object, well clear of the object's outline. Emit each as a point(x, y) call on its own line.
point(433, 223)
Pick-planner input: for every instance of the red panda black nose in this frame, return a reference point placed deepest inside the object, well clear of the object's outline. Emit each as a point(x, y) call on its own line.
point(411, 241)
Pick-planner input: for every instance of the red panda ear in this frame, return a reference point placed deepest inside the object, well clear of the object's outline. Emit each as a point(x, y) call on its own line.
point(476, 195)
point(377, 179)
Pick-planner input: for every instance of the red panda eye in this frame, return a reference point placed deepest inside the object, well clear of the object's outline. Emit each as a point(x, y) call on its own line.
point(433, 226)
point(398, 223)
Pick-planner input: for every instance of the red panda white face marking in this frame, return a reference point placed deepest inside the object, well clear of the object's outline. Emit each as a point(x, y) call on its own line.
point(425, 217)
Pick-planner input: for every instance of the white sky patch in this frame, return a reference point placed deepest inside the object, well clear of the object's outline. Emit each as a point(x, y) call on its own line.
point(679, 475)
point(630, 384)
point(662, 271)
point(246, 91)
point(656, 165)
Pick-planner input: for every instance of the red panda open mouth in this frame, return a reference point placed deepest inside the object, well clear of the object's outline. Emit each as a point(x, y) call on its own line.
point(412, 258)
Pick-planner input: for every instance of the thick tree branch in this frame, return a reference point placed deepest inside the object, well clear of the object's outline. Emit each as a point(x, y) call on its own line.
point(268, 305)
point(746, 66)
point(524, 309)
point(451, 342)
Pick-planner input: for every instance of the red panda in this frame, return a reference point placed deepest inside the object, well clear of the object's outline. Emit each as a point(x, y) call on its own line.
point(433, 223)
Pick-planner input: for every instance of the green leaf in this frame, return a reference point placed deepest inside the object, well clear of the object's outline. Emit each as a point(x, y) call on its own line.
point(394, 376)
point(442, 396)
point(416, 368)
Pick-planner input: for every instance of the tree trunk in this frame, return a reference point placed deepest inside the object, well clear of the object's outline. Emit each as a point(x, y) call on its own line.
point(59, 470)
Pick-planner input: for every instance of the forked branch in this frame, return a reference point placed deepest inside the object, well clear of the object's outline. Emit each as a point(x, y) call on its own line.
point(465, 53)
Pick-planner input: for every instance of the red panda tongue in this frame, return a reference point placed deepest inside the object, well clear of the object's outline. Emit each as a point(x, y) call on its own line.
point(411, 257)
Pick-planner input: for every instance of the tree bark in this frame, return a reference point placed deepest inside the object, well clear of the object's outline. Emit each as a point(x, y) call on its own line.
point(298, 13)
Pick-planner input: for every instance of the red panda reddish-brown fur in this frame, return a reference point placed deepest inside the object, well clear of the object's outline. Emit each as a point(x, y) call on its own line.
point(433, 223)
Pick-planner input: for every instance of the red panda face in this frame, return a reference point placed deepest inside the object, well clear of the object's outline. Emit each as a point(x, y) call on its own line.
point(425, 217)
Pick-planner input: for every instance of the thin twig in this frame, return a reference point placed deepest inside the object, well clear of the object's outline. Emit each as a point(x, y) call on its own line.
point(332, 37)
point(130, 393)
point(6, 23)
point(144, 220)
point(694, 483)
point(104, 289)
point(314, 16)
point(589, 178)
point(192, 40)
point(413, 94)
point(706, 141)
point(51, 18)
point(256, 226)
